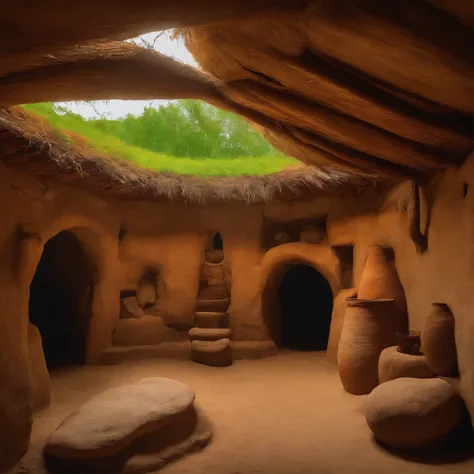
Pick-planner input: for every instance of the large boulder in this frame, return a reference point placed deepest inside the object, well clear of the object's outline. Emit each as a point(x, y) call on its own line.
point(39, 371)
point(113, 419)
point(394, 365)
point(412, 413)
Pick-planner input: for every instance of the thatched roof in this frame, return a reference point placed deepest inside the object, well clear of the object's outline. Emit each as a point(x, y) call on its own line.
point(28, 144)
point(378, 88)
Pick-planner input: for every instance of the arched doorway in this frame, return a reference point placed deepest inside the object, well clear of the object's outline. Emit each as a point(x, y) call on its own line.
point(297, 307)
point(60, 299)
point(306, 307)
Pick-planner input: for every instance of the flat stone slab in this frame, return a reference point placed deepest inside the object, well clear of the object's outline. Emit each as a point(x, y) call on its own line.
point(110, 421)
point(209, 334)
point(212, 305)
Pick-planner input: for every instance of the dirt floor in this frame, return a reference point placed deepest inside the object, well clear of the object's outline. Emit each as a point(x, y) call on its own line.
point(282, 415)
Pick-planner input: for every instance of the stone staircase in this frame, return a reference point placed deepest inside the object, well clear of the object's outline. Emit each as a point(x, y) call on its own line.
point(210, 339)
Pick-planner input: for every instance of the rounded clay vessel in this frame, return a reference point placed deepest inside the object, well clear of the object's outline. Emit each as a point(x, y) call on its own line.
point(380, 280)
point(437, 341)
point(369, 327)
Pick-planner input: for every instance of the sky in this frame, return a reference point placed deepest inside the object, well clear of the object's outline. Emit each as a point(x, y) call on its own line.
point(119, 108)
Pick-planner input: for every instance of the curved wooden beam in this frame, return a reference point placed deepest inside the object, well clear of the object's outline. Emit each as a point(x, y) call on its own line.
point(128, 73)
point(28, 26)
point(295, 110)
point(462, 9)
point(410, 44)
point(234, 54)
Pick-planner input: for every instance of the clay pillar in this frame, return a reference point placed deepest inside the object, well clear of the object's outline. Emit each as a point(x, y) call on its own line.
point(106, 299)
point(15, 377)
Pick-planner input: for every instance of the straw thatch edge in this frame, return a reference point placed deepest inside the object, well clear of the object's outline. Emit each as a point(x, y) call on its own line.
point(28, 143)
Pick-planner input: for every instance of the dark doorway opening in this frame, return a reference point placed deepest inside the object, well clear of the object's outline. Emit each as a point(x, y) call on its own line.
point(61, 299)
point(217, 243)
point(306, 306)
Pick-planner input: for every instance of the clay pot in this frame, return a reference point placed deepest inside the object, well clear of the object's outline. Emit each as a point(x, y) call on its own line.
point(438, 342)
point(409, 342)
point(337, 321)
point(369, 327)
point(380, 280)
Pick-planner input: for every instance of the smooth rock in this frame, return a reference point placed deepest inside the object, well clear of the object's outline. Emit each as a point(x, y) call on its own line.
point(212, 305)
point(412, 413)
point(213, 353)
point(394, 365)
point(188, 432)
point(209, 334)
point(110, 421)
point(211, 319)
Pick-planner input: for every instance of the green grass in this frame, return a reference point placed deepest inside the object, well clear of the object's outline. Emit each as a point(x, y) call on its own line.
point(114, 147)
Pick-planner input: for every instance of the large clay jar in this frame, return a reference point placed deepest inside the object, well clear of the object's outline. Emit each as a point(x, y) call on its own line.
point(337, 321)
point(369, 327)
point(437, 341)
point(380, 280)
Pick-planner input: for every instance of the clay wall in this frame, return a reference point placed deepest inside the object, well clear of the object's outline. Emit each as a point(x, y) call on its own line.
point(31, 214)
point(444, 273)
point(123, 238)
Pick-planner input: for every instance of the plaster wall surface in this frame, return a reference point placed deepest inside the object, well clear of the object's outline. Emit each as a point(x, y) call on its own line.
point(33, 213)
point(172, 237)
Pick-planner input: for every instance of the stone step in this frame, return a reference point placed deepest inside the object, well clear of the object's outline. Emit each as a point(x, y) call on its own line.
point(212, 319)
point(209, 334)
point(214, 292)
point(213, 353)
point(212, 305)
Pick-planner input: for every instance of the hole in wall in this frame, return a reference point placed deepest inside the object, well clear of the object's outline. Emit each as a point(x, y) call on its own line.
point(122, 233)
point(465, 189)
point(60, 302)
point(217, 242)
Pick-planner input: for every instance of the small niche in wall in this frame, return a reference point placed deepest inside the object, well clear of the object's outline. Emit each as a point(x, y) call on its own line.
point(217, 242)
point(345, 255)
point(465, 189)
point(122, 233)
